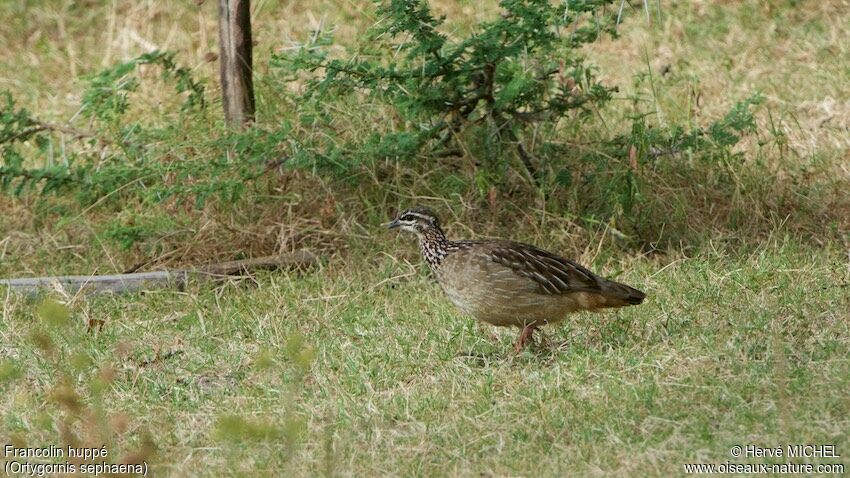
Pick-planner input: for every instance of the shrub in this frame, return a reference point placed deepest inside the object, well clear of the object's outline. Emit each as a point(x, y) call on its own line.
point(509, 74)
point(513, 95)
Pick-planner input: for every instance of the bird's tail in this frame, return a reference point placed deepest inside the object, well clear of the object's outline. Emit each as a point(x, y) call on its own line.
point(620, 295)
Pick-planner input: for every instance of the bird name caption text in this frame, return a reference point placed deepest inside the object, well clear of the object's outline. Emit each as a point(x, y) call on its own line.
point(53, 460)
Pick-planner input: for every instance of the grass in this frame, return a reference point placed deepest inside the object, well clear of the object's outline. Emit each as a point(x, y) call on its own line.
point(729, 349)
point(361, 367)
point(688, 69)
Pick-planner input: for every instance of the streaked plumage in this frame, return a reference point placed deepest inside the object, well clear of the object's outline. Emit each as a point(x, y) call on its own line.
point(509, 283)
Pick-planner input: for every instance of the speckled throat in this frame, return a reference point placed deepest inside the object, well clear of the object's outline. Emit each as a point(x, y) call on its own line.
point(435, 246)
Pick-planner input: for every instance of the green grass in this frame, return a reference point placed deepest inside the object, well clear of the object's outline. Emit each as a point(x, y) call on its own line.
point(361, 367)
point(728, 349)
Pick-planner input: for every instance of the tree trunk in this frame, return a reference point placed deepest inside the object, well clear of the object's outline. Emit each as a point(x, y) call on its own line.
point(237, 85)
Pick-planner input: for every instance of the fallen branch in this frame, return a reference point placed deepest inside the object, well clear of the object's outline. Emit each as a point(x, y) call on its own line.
point(124, 283)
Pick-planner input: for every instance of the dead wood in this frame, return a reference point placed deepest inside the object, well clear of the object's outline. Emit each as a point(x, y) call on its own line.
point(124, 283)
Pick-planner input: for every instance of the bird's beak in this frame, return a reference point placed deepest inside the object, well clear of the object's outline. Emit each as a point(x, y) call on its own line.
point(393, 224)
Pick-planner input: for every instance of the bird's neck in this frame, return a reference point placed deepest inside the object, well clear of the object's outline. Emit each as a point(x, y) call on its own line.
point(434, 247)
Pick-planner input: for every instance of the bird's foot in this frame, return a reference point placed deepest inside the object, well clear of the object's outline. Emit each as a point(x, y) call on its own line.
point(524, 338)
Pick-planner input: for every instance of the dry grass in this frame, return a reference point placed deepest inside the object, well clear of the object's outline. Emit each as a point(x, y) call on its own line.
point(743, 340)
point(728, 350)
point(703, 57)
point(703, 63)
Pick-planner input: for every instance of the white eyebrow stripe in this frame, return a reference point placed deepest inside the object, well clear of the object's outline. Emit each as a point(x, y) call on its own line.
point(420, 216)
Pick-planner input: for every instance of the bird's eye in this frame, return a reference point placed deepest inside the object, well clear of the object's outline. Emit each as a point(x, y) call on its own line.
point(407, 217)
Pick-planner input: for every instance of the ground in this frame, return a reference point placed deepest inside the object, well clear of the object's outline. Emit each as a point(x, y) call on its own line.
point(727, 350)
point(362, 367)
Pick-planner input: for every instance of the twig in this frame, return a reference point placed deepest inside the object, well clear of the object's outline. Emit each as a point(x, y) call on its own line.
point(39, 126)
point(77, 133)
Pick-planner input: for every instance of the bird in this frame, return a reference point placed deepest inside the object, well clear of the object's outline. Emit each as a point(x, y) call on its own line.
point(506, 283)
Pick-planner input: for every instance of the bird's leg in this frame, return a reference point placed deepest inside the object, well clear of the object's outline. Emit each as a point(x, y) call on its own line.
point(524, 337)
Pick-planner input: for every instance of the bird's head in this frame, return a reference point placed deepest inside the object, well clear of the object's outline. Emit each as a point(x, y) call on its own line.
point(418, 220)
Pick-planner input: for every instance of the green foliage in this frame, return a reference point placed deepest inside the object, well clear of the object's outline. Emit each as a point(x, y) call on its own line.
point(126, 234)
point(108, 158)
point(19, 126)
point(107, 95)
point(647, 144)
point(509, 74)
point(737, 122)
point(53, 313)
point(123, 158)
point(299, 352)
point(515, 87)
point(727, 131)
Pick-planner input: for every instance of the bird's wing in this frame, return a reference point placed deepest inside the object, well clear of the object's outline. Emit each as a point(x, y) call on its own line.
point(552, 274)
